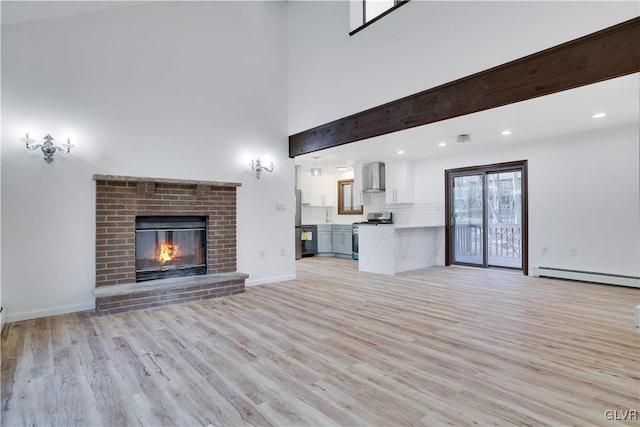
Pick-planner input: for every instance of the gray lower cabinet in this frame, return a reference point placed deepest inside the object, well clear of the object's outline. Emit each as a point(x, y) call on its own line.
point(334, 239)
point(325, 244)
point(341, 236)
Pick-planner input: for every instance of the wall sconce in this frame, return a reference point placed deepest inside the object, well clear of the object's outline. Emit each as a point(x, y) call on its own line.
point(48, 149)
point(258, 168)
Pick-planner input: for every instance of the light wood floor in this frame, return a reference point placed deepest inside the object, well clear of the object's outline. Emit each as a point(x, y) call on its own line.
point(439, 346)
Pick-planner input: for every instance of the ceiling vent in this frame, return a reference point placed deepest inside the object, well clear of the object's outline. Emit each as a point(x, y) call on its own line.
point(463, 137)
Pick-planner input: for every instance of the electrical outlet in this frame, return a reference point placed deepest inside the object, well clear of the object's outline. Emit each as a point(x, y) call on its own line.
point(261, 253)
point(573, 252)
point(281, 207)
point(283, 252)
point(545, 250)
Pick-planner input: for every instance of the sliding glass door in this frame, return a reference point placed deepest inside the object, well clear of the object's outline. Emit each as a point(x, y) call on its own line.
point(467, 215)
point(486, 221)
point(504, 219)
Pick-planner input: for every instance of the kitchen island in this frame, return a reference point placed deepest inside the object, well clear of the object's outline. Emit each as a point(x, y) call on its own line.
point(391, 249)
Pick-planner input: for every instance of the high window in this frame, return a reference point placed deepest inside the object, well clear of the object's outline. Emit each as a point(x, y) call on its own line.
point(366, 12)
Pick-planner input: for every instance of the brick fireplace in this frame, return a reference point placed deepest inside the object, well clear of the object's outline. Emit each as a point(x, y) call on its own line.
point(121, 200)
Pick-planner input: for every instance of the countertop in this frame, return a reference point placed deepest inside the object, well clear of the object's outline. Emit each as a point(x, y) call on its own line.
point(396, 226)
point(403, 226)
point(328, 223)
point(419, 225)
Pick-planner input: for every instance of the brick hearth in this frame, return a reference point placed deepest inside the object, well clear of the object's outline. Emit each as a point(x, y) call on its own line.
point(133, 296)
point(119, 199)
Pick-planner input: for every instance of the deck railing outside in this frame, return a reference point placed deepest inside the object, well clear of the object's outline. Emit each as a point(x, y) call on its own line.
point(504, 240)
point(468, 240)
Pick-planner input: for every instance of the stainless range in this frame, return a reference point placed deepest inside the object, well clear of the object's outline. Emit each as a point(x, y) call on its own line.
point(373, 218)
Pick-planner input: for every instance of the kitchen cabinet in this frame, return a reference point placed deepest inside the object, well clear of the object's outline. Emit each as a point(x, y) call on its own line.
point(341, 237)
point(303, 183)
point(359, 196)
point(334, 239)
point(325, 240)
point(323, 190)
point(399, 182)
point(317, 190)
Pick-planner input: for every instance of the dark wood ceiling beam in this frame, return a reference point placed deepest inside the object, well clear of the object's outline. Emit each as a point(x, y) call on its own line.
point(603, 55)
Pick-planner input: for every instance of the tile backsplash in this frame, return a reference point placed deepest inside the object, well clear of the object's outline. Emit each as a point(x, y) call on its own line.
point(403, 213)
point(408, 213)
point(323, 215)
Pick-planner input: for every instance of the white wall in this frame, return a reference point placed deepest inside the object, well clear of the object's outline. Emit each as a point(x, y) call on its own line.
point(187, 90)
point(583, 194)
point(2, 313)
point(419, 46)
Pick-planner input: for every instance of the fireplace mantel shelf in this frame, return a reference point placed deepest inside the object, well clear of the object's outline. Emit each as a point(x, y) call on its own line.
point(121, 178)
point(166, 284)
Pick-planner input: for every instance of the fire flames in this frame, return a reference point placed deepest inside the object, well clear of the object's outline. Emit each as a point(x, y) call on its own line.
point(167, 252)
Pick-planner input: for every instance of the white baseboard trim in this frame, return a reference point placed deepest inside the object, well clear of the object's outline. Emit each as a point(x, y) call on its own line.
point(587, 276)
point(268, 280)
point(27, 315)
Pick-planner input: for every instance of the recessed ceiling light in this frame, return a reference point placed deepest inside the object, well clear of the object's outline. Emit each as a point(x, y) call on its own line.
point(342, 168)
point(598, 116)
point(400, 152)
point(442, 144)
point(506, 132)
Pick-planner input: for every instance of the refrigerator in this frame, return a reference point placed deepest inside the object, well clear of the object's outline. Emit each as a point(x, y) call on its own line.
point(298, 224)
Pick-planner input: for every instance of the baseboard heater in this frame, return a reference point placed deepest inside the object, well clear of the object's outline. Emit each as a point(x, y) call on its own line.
point(587, 276)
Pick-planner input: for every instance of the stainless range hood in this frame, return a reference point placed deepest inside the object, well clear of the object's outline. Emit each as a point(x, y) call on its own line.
point(373, 177)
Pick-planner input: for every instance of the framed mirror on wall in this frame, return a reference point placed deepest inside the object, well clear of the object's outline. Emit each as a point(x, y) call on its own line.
point(346, 199)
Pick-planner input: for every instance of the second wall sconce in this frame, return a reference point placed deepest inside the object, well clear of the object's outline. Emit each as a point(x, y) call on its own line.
point(258, 168)
point(48, 149)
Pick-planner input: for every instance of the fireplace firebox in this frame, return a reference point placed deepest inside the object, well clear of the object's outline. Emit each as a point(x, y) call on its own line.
point(170, 246)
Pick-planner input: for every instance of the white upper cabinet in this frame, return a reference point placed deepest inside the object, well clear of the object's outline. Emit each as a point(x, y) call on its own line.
point(357, 185)
point(303, 184)
point(359, 196)
point(399, 182)
point(322, 190)
point(317, 190)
